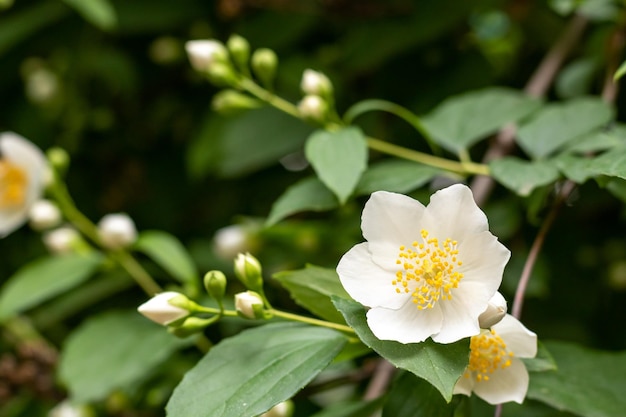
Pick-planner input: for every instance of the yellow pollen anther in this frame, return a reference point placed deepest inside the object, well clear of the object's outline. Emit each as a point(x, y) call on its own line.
point(13, 182)
point(488, 353)
point(428, 270)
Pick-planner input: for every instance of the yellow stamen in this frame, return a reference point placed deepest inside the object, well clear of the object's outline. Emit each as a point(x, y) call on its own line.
point(488, 353)
point(13, 181)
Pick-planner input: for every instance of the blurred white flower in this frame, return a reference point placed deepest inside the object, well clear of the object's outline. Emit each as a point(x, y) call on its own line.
point(42, 85)
point(67, 409)
point(44, 214)
point(230, 240)
point(23, 172)
point(315, 83)
point(424, 271)
point(204, 53)
point(495, 373)
point(313, 107)
point(161, 311)
point(117, 231)
point(496, 310)
point(61, 240)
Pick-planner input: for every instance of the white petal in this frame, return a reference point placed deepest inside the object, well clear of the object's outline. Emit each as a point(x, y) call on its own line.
point(519, 340)
point(504, 385)
point(464, 386)
point(388, 221)
point(405, 325)
point(460, 316)
point(452, 212)
point(367, 282)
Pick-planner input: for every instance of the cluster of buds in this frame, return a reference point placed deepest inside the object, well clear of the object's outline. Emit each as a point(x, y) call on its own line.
point(317, 103)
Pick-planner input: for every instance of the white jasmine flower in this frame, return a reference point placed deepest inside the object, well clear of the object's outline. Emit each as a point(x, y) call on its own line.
point(204, 53)
point(495, 372)
point(496, 310)
point(117, 231)
point(315, 83)
point(161, 311)
point(44, 214)
point(23, 170)
point(424, 271)
point(61, 240)
point(249, 304)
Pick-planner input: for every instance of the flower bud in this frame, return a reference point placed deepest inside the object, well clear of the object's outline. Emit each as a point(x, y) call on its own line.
point(67, 409)
point(44, 214)
point(282, 409)
point(222, 74)
point(215, 284)
point(316, 83)
point(239, 49)
point(313, 108)
point(62, 240)
point(249, 305)
point(232, 101)
point(117, 231)
point(496, 310)
point(248, 270)
point(230, 240)
point(191, 325)
point(203, 54)
point(165, 308)
point(264, 65)
point(58, 159)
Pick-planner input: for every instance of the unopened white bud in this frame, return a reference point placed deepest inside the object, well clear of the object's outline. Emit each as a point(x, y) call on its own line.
point(117, 231)
point(67, 409)
point(496, 310)
point(62, 240)
point(313, 107)
point(282, 409)
point(204, 53)
point(161, 311)
point(44, 214)
point(316, 83)
point(249, 304)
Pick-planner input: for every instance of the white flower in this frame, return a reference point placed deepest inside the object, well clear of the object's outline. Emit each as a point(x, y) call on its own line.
point(61, 240)
point(495, 372)
point(315, 83)
point(424, 271)
point(23, 170)
point(44, 214)
point(159, 310)
point(117, 231)
point(204, 53)
point(249, 304)
point(230, 240)
point(496, 310)
point(67, 409)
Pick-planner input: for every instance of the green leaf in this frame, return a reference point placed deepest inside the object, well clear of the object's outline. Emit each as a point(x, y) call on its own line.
point(352, 409)
point(114, 350)
point(588, 382)
point(461, 121)
point(439, 364)
point(237, 145)
point(394, 175)
point(575, 168)
point(167, 251)
point(247, 374)
point(339, 158)
point(308, 194)
point(543, 360)
point(411, 396)
point(98, 12)
point(45, 278)
point(557, 124)
point(617, 187)
point(600, 140)
point(312, 288)
point(611, 163)
point(523, 176)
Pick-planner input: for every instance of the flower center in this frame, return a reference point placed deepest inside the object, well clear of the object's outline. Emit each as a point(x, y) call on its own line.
point(488, 353)
point(13, 181)
point(428, 270)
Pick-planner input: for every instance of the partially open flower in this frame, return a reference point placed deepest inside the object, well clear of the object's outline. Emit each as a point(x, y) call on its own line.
point(495, 372)
point(160, 310)
point(23, 170)
point(424, 271)
point(496, 310)
point(117, 231)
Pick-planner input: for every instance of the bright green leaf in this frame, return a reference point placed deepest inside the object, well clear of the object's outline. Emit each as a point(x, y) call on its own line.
point(557, 124)
point(312, 288)
point(45, 278)
point(394, 175)
point(461, 121)
point(588, 382)
point(98, 12)
point(523, 176)
point(113, 351)
point(439, 364)
point(265, 365)
point(167, 251)
point(600, 140)
point(620, 71)
point(308, 194)
point(576, 168)
point(411, 396)
point(338, 158)
point(612, 163)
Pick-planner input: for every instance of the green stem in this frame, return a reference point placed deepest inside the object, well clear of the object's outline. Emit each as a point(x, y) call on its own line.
point(135, 270)
point(426, 159)
point(309, 320)
point(269, 97)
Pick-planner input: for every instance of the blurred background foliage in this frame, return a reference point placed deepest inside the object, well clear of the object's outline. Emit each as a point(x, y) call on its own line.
point(109, 82)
